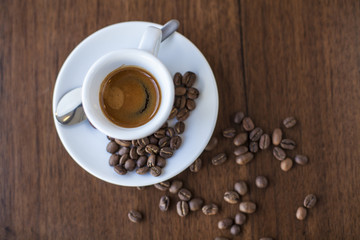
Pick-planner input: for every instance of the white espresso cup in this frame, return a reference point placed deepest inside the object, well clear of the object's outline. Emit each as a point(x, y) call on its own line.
point(144, 57)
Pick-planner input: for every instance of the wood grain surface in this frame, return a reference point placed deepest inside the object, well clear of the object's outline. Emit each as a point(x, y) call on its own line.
point(271, 59)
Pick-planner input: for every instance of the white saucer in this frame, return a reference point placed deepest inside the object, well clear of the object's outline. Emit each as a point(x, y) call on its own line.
point(87, 146)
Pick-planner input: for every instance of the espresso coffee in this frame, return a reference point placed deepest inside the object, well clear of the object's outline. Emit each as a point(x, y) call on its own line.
point(129, 96)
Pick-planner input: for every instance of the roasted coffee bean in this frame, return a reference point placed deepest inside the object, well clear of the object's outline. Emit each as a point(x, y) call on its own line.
point(231, 197)
point(177, 79)
point(235, 230)
point(239, 116)
point(141, 161)
point(170, 132)
point(119, 169)
point(288, 144)
point(180, 91)
point(175, 186)
point(151, 161)
point(240, 139)
point(247, 207)
point(182, 102)
point(164, 142)
point(225, 223)
point(210, 209)
point(133, 154)
point(221, 238)
point(264, 142)
point(193, 93)
point(255, 134)
point(143, 141)
point(112, 147)
point(248, 124)
point(123, 159)
point(164, 203)
point(189, 79)
point(175, 142)
point(254, 147)
point(301, 213)
point(177, 102)
point(310, 201)
point(241, 187)
point(261, 182)
point(301, 159)
point(152, 149)
point(184, 194)
point(130, 165)
point(179, 127)
point(195, 204)
point(219, 159)
point(240, 218)
point(160, 133)
point(182, 114)
point(240, 150)
point(211, 144)
point(114, 159)
point(123, 150)
point(286, 165)
point(289, 122)
point(153, 140)
point(134, 143)
point(196, 165)
point(160, 161)
point(155, 171)
point(173, 113)
point(140, 151)
point(190, 104)
point(244, 158)
point(265, 238)
point(142, 170)
point(162, 186)
point(123, 143)
point(279, 153)
point(166, 152)
point(276, 136)
point(182, 208)
point(229, 132)
point(134, 216)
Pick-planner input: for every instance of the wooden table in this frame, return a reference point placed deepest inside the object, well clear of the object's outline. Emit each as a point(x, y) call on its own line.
point(271, 59)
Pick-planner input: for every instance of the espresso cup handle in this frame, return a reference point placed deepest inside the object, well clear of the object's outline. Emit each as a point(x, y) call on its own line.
point(150, 40)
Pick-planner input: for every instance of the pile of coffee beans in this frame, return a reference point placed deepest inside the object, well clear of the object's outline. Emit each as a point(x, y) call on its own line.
point(149, 154)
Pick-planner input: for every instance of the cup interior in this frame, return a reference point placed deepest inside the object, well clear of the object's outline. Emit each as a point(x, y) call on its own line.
point(108, 63)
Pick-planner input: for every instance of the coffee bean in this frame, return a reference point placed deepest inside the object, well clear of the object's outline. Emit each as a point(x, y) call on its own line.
point(279, 153)
point(196, 165)
point(193, 93)
point(211, 144)
point(160, 161)
point(195, 204)
point(229, 132)
point(173, 113)
point(240, 150)
point(231, 197)
point(241, 187)
point(301, 159)
point(254, 147)
point(142, 170)
point(182, 102)
point(247, 207)
point(155, 171)
point(164, 203)
point(140, 151)
point(166, 152)
point(153, 140)
point(177, 79)
point(151, 161)
point(119, 169)
point(143, 141)
point(177, 102)
point(190, 104)
point(240, 218)
point(189, 79)
point(261, 182)
point(175, 186)
point(301, 213)
point(175, 142)
point(221, 238)
point(130, 165)
point(184, 194)
point(182, 114)
point(180, 91)
point(134, 143)
point(162, 186)
point(244, 158)
point(123, 150)
point(225, 223)
point(112, 147)
point(219, 159)
point(123, 159)
point(134, 216)
point(289, 122)
point(286, 165)
point(182, 208)
point(248, 124)
point(141, 161)
point(235, 230)
point(276, 136)
point(310, 201)
point(255, 134)
point(152, 149)
point(123, 143)
point(164, 142)
point(210, 209)
point(160, 133)
point(170, 132)
point(114, 159)
point(133, 153)
point(239, 116)
point(179, 127)
point(264, 142)
point(288, 144)
point(240, 139)
point(265, 238)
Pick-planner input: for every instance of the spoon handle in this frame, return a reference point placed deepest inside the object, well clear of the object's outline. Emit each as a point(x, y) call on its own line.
point(169, 28)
